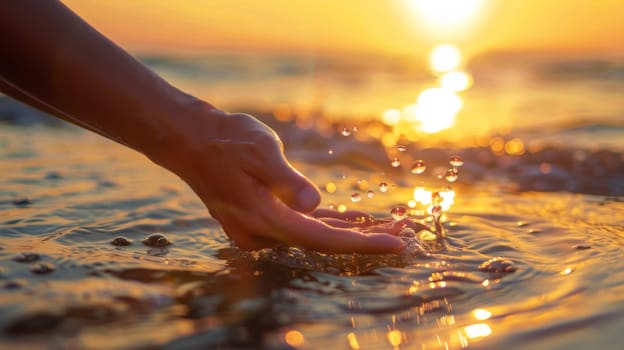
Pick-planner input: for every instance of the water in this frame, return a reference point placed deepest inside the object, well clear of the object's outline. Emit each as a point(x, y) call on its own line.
point(532, 256)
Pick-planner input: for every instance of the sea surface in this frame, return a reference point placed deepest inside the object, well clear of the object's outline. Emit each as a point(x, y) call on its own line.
point(541, 192)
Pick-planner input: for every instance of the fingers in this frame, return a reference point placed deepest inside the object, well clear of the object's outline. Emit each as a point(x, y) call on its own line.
point(349, 215)
point(299, 229)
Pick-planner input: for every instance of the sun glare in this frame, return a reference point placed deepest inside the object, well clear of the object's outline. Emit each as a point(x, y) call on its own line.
point(445, 58)
point(456, 81)
point(448, 13)
point(436, 109)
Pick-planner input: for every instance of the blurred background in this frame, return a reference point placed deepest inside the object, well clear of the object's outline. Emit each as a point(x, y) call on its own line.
point(451, 69)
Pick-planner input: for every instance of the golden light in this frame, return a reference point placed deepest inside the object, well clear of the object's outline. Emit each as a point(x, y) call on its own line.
point(423, 197)
point(394, 337)
point(391, 116)
point(514, 147)
point(342, 208)
point(481, 314)
point(294, 338)
point(330, 187)
point(353, 342)
point(445, 58)
point(448, 14)
point(477, 330)
point(436, 109)
point(566, 271)
point(456, 81)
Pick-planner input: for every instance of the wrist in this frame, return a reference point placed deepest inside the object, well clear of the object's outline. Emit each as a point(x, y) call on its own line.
point(174, 125)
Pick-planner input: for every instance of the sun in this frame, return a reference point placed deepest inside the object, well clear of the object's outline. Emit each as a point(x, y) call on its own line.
point(448, 14)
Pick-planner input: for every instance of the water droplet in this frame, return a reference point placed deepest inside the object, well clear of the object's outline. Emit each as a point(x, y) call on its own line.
point(26, 257)
point(355, 129)
point(331, 205)
point(121, 241)
point(156, 240)
point(330, 151)
point(383, 187)
point(395, 162)
point(407, 232)
point(436, 211)
point(436, 198)
point(398, 212)
point(418, 167)
point(497, 265)
point(345, 132)
point(355, 197)
point(370, 193)
point(401, 148)
point(456, 161)
point(451, 175)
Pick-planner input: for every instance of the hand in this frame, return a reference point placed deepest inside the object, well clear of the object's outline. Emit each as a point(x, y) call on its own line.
point(236, 165)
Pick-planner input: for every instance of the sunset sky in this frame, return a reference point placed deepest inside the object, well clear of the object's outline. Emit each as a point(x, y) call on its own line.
point(393, 26)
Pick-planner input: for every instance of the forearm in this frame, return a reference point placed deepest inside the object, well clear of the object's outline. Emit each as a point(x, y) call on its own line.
point(55, 61)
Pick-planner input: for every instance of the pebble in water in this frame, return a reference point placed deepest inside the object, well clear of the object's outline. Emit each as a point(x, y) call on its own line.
point(497, 265)
point(456, 161)
point(156, 240)
point(345, 132)
point(398, 212)
point(370, 193)
point(121, 241)
point(401, 148)
point(26, 257)
point(355, 197)
point(418, 167)
point(20, 202)
point(395, 162)
point(42, 268)
point(451, 175)
point(383, 187)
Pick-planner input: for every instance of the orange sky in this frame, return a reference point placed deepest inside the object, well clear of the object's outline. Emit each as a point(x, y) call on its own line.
point(389, 26)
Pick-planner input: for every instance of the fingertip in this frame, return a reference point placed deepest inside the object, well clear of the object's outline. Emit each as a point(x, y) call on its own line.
point(308, 198)
point(388, 243)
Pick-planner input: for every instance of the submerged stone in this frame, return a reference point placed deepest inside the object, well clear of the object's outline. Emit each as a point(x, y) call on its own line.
point(26, 257)
point(497, 265)
point(42, 268)
point(20, 202)
point(156, 240)
point(121, 241)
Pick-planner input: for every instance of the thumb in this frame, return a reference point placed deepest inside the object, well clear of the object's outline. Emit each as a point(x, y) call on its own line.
point(289, 185)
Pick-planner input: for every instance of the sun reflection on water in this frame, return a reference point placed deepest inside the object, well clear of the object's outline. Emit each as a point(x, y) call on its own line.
point(436, 108)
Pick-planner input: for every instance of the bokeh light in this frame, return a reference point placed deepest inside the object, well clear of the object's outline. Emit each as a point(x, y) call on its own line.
point(445, 58)
point(436, 109)
point(456, 81)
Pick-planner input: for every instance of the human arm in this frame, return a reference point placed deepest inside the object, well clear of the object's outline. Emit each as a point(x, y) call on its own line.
point(55, 61)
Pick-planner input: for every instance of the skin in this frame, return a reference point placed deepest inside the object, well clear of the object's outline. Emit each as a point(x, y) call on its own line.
point(51, 59)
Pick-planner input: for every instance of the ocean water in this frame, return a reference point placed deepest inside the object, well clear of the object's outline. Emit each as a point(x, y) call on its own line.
point(553, 215)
